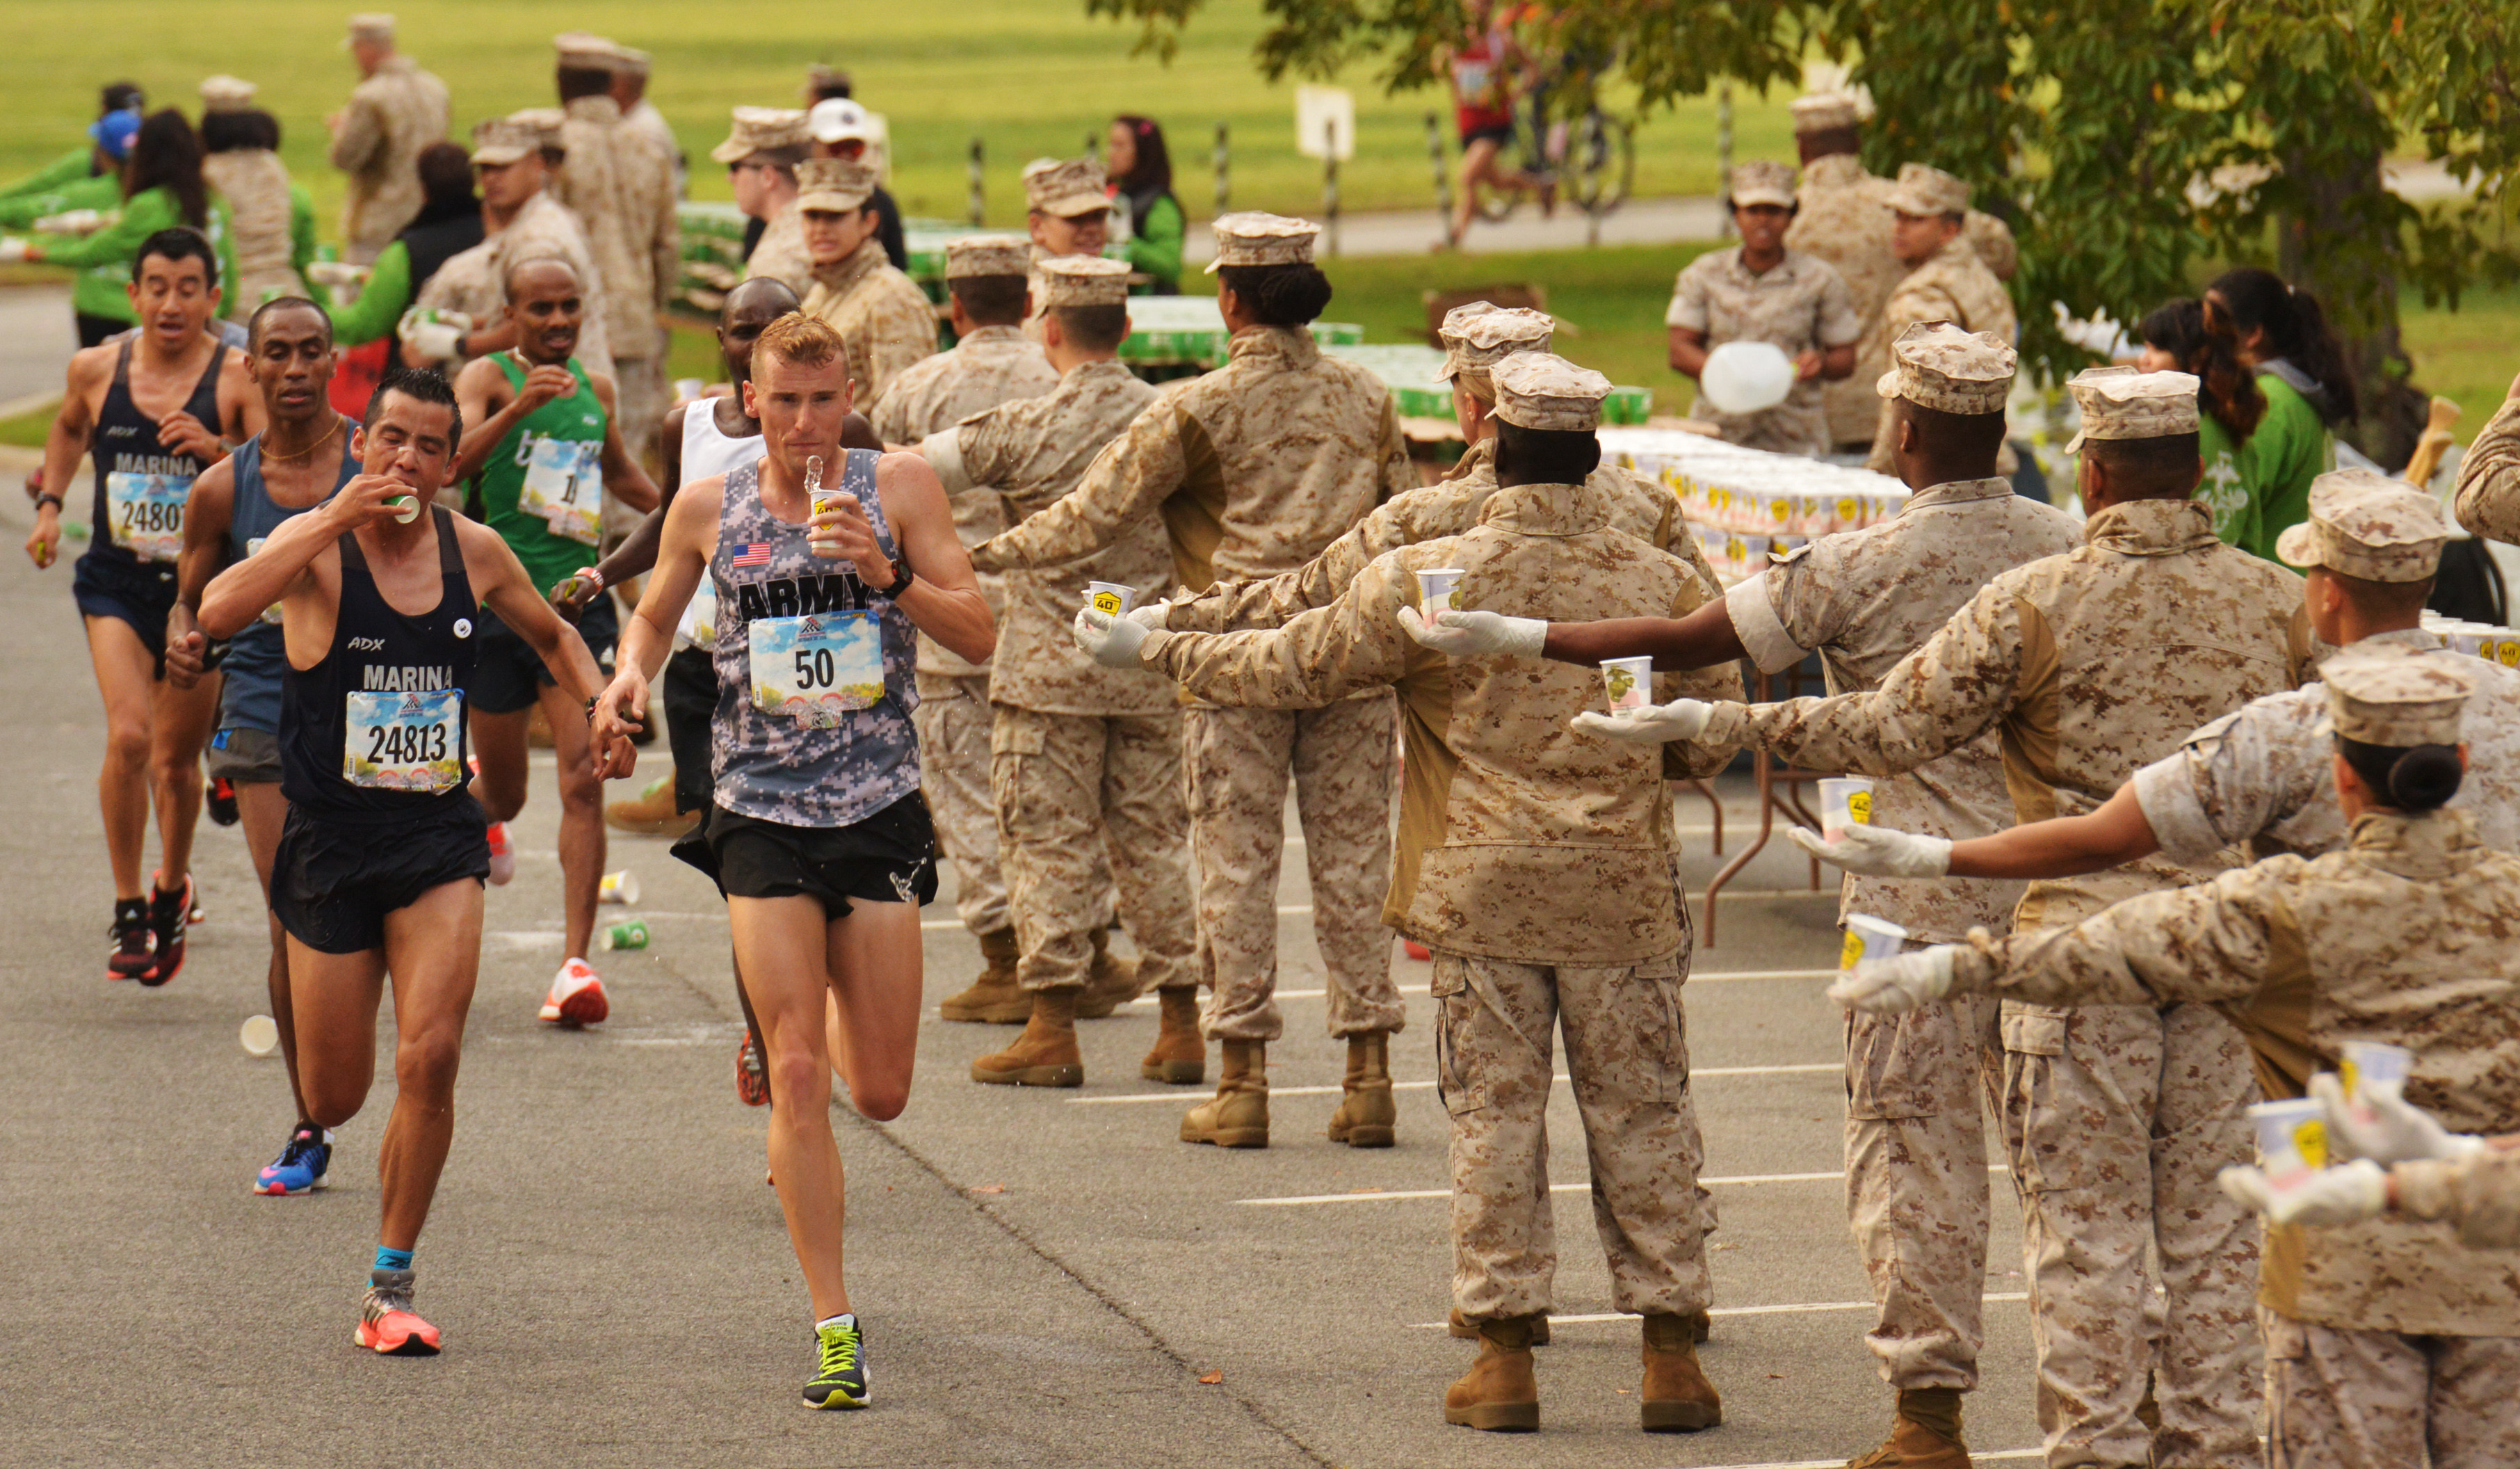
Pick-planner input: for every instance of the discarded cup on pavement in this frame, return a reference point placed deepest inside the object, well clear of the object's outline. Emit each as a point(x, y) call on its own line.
point(1435, 590)
point(1870, 937)
point(1109, 598)
point(617, 888)
point(1630, 681)
point(1844, 801)
point(631, 934)
point(259, 1035)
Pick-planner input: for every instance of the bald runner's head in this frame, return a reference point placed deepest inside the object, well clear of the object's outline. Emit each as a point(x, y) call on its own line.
point(288, 347)
point(548, 307)
point(749, 307)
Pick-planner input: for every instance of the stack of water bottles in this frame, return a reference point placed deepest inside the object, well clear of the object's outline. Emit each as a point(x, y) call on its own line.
point(1744, 504)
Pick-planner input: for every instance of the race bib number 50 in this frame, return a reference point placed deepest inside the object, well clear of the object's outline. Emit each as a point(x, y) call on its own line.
point(404, 742)
point(815, 668)
point(148, 512)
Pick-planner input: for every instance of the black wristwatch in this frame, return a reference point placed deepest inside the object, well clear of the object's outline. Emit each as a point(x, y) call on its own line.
point(47, 496)
point(900, 583)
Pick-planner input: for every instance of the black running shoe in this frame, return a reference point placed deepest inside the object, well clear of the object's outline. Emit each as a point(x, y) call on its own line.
point(129, 958)
point(170, 913)
point(839, 1379)
point(222, 802)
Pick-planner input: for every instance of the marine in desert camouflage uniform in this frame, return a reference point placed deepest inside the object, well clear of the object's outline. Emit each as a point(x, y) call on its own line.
point(1255, 469)
point(1947, 281)
point(272, 219)
point(1085, 766)
point(1846, 219)
point(1536, 863)
point(879, 312)
point(2489, 476)
point(396, 111)
point(2389, 1341)
point(1795, 301)
point(763, 147)
point(2117, 1117)
point(621, 186)
point(510, 158)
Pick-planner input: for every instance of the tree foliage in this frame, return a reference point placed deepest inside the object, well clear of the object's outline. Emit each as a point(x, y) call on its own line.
point(2128, 144)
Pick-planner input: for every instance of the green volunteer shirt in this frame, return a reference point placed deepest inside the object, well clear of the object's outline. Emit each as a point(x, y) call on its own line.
point(77, 164)
point(2290, 448)
point(103, 259)
point(576, 419)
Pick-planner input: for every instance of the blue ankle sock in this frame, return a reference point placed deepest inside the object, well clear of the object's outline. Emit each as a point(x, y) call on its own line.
point(392, 1260)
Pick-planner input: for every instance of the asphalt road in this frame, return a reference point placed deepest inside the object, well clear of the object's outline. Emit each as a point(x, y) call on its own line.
point(1047, 1277)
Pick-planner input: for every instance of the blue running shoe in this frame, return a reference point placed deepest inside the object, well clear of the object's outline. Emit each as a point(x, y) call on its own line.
point(301, 1165)
point(840, 1378)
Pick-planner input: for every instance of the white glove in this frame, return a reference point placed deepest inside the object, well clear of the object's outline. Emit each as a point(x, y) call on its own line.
point(1654, 724)
point(1878, 850)
point(1154, 617)
point(71, 222)
point(2381, 1125)
point(2345, 1195)
point(1110, 641)
point(341, 273)
point(1904, 982)
point(1476, 634)
point(433, 334)
point(12, 250)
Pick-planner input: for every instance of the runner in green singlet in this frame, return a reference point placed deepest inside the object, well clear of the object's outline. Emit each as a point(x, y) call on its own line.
point(547, 452)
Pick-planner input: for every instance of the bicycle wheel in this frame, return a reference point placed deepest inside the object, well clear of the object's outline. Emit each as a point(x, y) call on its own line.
point(1602, 169)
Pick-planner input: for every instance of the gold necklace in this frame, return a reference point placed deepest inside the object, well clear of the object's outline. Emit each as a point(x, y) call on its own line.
point(268, 457)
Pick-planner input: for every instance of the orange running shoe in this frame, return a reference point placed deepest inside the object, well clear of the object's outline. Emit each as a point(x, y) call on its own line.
point(388, 1326)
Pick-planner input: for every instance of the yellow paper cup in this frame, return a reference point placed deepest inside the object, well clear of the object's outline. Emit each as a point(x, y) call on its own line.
point(620, 887)
point(1870, 937)
point(1435, 590)
point(1109, 598)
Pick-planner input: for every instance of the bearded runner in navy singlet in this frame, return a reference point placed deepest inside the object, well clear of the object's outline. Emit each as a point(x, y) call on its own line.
point(379, 872)
point(816, 832)
point(154, 410)
point(288, 469)
point(547, 451)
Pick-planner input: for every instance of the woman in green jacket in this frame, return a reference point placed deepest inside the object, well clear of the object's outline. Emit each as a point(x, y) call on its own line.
point(1140, 169)
point(449, 223)
point(162, 188)
point(2281, 334)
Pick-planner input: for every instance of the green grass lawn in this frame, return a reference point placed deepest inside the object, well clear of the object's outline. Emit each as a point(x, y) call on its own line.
point(1028, 77)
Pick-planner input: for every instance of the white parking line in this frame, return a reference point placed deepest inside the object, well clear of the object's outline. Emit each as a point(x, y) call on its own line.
point(1976, 1456)
point(1382, 1196)
point(1729, 1311)
point(1830, 1067)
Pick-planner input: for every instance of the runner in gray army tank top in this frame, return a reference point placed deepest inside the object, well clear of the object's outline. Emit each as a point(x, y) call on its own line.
point(815, 732)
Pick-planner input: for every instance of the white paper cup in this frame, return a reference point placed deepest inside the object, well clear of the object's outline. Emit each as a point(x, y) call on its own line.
point(689, 389)
point(1109, 598)
point(1870, 937)
point(1844, 801)
point(259, 1035)
point(1435, 590)
point(814, 540)
point(2369, 1062)
point(617, 888)
point(1630, 681)
point(406, 508)
point(2292, 1136)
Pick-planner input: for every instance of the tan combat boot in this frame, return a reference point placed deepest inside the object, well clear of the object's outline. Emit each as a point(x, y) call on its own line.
point(1676, 1397)
point(1498, 1394)
point(1238, 1116)
point(1112, 981)
point(1463, 1327)
point(652, 814)
point(1180, 1056)
point(995, 998)
point(1365, 1114)
point(1926, 1433)
point(1045, 1054)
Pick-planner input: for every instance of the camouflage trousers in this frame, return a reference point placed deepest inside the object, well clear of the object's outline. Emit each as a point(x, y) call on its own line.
point(2375, 1399)
point(953, 720)
point(1341, 758)
point(1916, 1182)
point(1627, 1056)
point(1072, 790)
point(640, 398)
point(2118, 1119)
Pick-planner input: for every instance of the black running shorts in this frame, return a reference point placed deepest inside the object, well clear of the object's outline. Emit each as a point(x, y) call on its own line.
point(888, 858)
point(333, 882)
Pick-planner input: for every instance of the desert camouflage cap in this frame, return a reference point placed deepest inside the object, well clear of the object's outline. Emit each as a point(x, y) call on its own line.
point(630, 60)
point(377, 28)
point(1477, 335)
point(1253, 238)
point(500, 141)
point(1921, 190)
point(2396, 697)
point(1819, 111)
point(2120, 402)
point(757, 129)
point(1544, 391)
point(1762, 182)
point(1084, 281)
point(549, 126)
point(987, 255)
point(1934, 365)
point(587, 51)
point(2365, 523)
point(1065, 188)
point(226, 94)
point(833, 185)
